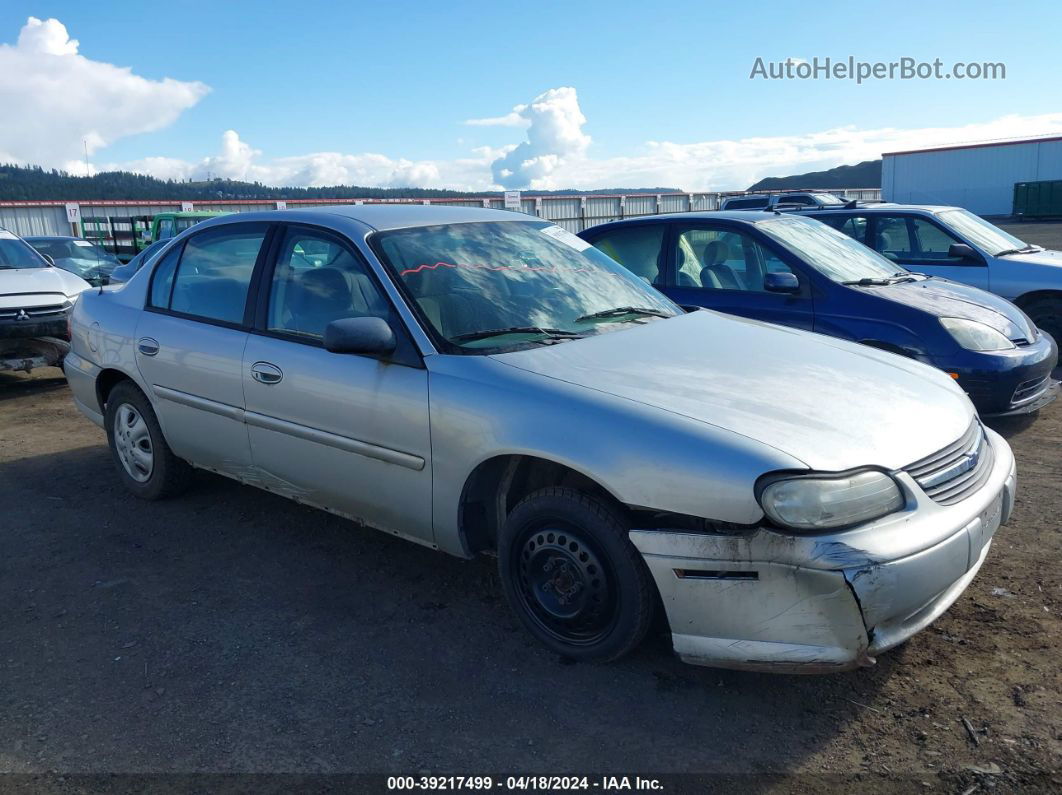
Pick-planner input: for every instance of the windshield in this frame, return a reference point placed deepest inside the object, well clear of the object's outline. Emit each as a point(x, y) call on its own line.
point(58, 249)
point(511, 283)
point(979, 232)
point(832, 253)
point(16, 254)
point(180, 224)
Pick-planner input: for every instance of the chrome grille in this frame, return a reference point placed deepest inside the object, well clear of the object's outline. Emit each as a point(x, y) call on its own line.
point(957, 471)
point(35, 313)
point(1028, 391)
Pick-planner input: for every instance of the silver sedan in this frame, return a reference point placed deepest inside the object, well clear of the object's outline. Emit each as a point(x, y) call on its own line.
point(482, 381)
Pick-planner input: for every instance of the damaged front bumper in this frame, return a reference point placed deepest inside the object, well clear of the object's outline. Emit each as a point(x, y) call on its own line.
point(815, 604)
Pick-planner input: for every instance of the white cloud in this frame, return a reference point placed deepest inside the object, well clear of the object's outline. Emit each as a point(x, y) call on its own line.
point(238, 160)
point(559, 159)
point(56, 101)
point(555, 138)
point(736, 164)
point(513, 118)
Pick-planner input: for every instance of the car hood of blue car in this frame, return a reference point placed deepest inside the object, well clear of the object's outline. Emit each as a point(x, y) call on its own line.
point(1045, 257)
point(944, 298)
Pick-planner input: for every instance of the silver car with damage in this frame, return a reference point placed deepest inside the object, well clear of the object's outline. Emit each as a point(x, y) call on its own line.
point(482, 381)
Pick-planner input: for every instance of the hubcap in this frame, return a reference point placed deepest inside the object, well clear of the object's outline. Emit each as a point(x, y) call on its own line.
point(132, 442)
point(564, 584)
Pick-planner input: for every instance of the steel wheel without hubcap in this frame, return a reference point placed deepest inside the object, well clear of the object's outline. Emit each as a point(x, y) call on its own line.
point(132, 442)
point(564, 584)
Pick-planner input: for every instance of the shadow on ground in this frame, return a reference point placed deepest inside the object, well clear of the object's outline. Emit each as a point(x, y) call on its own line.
point(233, 630)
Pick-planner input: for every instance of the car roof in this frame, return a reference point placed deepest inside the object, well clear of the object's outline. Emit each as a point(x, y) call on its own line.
point(398, 216)
point(877, 207)
point(54, 237)
point(744, 216)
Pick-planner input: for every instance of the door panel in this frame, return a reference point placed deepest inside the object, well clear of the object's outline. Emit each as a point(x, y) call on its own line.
point(344, 432)
point(197, 385)
point(340, 431)
point(190, 350)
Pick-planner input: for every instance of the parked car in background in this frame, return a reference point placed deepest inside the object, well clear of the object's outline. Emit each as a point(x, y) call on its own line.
point(795, 271)
point(793, 199)
point(35, 303)
point(476, 380)
point(958, 245)
point(77, 255)
point(166, 225)
point(124, 272)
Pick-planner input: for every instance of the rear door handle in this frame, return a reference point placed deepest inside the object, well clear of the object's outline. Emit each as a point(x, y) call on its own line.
point(266, 373)
point(147, 346)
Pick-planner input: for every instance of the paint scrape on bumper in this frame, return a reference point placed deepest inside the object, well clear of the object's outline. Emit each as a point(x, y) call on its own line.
point(774, 602)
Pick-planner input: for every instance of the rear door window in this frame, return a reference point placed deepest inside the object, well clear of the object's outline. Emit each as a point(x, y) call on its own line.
point(214, 273)
point(637, 248)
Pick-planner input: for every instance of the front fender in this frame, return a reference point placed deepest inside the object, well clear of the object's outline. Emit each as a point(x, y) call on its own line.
point(644, 456)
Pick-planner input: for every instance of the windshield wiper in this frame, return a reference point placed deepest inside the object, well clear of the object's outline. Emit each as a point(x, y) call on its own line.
point(906, 276)
point(869, 282)
point(619, 311)
point(1030, 249)
point(552, 333)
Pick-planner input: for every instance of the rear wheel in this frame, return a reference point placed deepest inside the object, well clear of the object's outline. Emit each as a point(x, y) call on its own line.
point(144, 461)
point(573, 577)
point(1046, 313)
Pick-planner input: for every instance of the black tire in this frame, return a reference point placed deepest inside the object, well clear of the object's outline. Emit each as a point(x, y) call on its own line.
point(572, 576)
point(167, 475)
point(1046, 313)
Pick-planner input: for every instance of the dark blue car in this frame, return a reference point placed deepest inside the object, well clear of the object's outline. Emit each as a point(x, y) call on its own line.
point(799, 272)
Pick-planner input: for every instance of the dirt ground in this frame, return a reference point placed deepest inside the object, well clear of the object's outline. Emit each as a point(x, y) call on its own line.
point(232, 631)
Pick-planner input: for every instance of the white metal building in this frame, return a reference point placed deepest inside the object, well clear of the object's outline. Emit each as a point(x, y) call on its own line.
point(979, 177)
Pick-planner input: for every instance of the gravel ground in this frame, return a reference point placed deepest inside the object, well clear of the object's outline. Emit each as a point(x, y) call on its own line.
point(231, 631)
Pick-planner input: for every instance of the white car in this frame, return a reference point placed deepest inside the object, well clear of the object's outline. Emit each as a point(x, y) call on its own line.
point(35, 303)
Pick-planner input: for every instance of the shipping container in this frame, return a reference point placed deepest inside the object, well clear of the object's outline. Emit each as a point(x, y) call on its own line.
point(1038, 199)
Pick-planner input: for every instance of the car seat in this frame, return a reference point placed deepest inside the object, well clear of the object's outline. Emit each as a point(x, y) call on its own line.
point(715, 272)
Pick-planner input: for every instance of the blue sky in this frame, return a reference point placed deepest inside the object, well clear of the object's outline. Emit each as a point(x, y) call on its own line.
point(401, 78)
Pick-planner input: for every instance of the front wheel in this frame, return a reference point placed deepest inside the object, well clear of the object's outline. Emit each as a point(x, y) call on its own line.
point(1046, 313)
point(573, 577)
point(144, 461)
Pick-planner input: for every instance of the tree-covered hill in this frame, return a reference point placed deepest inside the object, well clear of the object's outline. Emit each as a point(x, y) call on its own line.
point(33, 183)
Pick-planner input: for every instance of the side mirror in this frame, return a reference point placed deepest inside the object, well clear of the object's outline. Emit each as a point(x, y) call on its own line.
point(962, 251)
point(781, 283)
point(49, 259)
point(370, 335)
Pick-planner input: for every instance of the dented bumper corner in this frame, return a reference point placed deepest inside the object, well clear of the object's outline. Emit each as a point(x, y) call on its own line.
point(817, 604)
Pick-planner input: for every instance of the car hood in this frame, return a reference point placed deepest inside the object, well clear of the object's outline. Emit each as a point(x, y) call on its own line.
point(945, 298)
point(28, 287)
point(1045, 257)
point(832, 404)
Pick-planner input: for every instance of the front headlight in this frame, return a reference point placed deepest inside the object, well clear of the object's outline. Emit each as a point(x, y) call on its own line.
point(975, 336)
point(819, 502)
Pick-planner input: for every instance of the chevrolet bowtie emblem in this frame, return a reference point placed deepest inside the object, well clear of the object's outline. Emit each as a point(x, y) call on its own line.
point(22, 315)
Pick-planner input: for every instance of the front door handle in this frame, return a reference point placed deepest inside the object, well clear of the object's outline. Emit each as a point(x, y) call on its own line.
point(266, 373)
point(147, 346)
